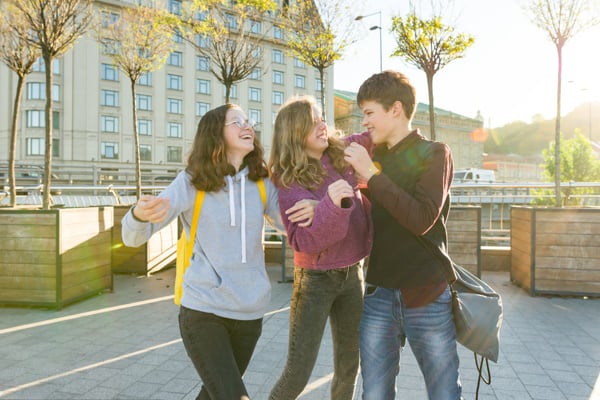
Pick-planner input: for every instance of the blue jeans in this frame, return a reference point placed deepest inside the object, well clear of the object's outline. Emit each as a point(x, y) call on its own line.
point(220, 349)
point(317, 295)
point(387, 323)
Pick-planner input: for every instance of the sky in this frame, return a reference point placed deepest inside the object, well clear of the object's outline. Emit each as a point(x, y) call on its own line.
point(508, 74)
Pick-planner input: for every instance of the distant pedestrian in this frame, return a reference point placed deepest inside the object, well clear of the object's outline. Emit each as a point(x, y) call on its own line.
point(307, 163)
point(226, 289)
point(407, 294)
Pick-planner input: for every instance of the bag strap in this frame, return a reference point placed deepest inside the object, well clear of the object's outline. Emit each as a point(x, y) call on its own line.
point(263, 192)
point(196, 215)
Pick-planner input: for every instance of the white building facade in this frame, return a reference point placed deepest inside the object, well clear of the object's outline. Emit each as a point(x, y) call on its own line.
point(93, 123)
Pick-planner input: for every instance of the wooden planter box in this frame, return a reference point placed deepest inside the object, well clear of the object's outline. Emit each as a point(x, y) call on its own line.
point(555, 250)
point(54, 257)
point(464, 237)
point(152, 256)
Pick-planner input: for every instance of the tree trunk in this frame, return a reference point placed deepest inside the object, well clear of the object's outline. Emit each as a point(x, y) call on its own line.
point(431, 107)
point(47, 201)
point(557, 130)
point(12, 153)
point(323, 105)
point(136, 145)
point(227, 92)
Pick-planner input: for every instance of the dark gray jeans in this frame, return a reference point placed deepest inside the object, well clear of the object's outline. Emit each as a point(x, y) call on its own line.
point(220, 349)
point(317, 295)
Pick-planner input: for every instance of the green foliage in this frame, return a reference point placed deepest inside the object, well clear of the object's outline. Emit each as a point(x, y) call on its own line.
point(577, 164)
point(428, 44)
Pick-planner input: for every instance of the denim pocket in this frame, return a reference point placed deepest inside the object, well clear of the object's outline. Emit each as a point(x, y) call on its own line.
point(370, 289)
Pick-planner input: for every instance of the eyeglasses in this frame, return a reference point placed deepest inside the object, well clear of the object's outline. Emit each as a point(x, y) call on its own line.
point(242, 124)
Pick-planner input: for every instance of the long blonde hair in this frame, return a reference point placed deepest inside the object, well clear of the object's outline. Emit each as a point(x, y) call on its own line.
point(289, 162)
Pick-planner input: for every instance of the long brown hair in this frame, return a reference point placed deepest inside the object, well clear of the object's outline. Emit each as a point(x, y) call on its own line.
point(207, 163)
point(289, 162)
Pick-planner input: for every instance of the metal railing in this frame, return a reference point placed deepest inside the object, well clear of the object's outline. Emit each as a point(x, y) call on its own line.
point(495, 200)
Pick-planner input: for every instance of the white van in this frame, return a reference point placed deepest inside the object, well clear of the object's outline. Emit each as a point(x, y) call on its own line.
point(474, 175)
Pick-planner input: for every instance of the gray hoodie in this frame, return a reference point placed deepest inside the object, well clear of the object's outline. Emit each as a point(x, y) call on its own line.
point(227, 274)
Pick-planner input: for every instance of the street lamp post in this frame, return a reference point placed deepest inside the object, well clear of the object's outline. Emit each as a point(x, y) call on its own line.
point(360, 17)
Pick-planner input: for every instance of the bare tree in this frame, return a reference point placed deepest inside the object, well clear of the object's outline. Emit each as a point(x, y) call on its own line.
point(561, 20)
point(229, 36)
point(19, 56)
point(138, 42)
point(430, 45)
point(318, 32)
point(55, 26)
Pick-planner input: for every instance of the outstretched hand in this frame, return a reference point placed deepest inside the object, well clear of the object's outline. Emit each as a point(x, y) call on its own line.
point(151, 209)
point(303, 210)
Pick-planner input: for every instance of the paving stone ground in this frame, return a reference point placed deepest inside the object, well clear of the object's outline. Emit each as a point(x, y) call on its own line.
point(126, 345)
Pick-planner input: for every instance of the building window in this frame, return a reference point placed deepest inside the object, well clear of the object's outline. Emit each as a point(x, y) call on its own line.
point(144, 127)
point(37, 147)
point(108, 18)
point(255, 115)
point(278, 77)
point(109, 150)
point(255, 26)
point(175, 106)
point(145, 152)
point(232, 91)
point(109, 123)
point(35, 118)
point(109, 72)
point(277, 56)
point(174, 82)
point(202, 63)
point(174, 153)
point(202, 41)
point(300, 81)
point(144, 102)
point(277, 97)
point(174, 129)
point(298, 63)
point(256, 74)
point(146, 79)
point(203, 86)
point(175, 7)
point(109, 98)
point(176, 59)
point(39, 66)
point(231, 22)
point(37, 91)
point(202, 108)
point(254, 94)
point(277, 32)
point(318, 84)
point(178, 37)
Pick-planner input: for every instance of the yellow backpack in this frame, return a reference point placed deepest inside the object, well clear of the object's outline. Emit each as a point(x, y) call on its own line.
point(185, 247)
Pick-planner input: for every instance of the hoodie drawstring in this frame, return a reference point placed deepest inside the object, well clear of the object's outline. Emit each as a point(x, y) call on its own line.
point(243, 208)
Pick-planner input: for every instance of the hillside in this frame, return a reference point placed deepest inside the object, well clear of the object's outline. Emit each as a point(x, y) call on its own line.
point(531, 138)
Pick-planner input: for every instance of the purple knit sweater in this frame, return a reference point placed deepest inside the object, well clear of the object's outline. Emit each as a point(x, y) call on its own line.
point(338, 237)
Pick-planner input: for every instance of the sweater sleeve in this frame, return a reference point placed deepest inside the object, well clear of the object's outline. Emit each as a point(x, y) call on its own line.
point(329, 225)
point(181, 197)
point(418, 212)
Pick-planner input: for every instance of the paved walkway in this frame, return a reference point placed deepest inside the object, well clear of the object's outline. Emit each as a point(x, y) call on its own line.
point(126, 345)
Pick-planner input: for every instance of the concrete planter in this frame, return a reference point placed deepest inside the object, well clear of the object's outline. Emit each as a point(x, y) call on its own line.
point(54, 257)
point(152, 256)
point(555, 250)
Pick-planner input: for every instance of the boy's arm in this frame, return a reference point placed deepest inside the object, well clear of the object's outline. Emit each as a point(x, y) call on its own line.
point(418, 212)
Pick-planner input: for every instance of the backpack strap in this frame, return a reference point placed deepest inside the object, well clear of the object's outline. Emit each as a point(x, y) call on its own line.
point(263, 192)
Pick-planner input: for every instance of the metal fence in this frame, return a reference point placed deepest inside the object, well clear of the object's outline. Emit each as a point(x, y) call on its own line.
point(495, 200)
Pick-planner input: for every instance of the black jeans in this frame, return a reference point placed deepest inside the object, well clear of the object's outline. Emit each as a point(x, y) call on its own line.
point(220, 349)
point(317, 295)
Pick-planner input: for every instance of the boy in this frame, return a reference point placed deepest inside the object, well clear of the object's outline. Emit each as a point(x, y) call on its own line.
point(407, 294)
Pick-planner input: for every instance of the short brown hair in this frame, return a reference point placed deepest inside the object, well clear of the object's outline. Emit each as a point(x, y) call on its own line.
point(386, 88)
point(207, 163)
